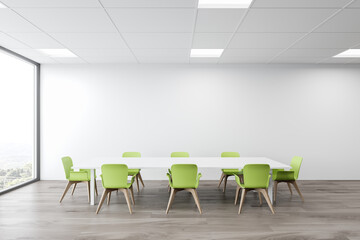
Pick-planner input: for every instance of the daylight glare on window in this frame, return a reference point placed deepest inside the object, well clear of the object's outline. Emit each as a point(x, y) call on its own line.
point(17, 132)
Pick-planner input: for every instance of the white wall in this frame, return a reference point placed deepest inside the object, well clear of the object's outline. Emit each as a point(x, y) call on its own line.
point(277, 111)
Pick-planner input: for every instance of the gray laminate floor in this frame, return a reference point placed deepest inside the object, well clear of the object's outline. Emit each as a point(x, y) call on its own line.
point(331, 211)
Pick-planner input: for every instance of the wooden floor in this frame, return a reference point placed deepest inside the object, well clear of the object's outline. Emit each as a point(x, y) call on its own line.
point(331, 211)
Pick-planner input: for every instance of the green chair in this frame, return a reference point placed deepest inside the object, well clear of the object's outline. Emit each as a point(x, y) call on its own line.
point(134, 172)
point(290, 177)
point(256, 177)
point(184, 177)
point(229, 172)
point(114, 177)
point(177, 155)
point(75, 177)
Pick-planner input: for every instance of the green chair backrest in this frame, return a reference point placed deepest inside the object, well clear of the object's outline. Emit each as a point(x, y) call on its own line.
point(131, 154)
point(295, 165)
point(184, 175)
point(114, 175)
point(67, 163)
point(180, 154)
point(230, 154)
point(256, 175)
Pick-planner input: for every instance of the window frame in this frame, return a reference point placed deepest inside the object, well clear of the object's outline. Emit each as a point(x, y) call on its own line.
point(36, 120)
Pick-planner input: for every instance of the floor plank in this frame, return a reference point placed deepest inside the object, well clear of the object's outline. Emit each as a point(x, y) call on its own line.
point(331, 211)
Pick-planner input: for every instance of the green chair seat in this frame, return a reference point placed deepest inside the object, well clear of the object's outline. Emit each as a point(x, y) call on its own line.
point(232, 171)
point(78, 176)
point(281, 175)
point(133, 171)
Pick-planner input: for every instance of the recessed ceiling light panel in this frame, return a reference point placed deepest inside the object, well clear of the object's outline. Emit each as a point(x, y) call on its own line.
point(2, 5)
point(58, 53)
point(351, 53)
point(210, 53)
point(224, 3)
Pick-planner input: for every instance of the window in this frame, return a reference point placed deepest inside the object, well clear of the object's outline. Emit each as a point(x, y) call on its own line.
point(19, 163)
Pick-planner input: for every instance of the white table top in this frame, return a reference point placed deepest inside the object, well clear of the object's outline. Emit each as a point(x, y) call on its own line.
point(166, 162)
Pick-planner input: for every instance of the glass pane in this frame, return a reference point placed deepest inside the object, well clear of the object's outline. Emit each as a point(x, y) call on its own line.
point(17, 135)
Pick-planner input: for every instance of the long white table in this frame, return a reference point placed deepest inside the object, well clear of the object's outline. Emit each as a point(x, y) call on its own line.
point(166, 162)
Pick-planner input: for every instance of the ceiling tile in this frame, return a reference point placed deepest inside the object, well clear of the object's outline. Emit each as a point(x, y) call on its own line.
point(134, 20)
point(244, 60)
point(299, 3)
point(163, 59)
point(283, 20)
point(51, 3)
point(90, 40)
point(218, 20)
point(167, 53)
point(150, 3)
point(254, 52)
point(69, 60)
point(211, 40)
point(11, 22)
point(301, 52)
point(37, 40)
point(158, 40)
point(264, 40)
point(119, 59)
point(310, 60)
point(329, 40)
point(10, 43)
point(101, 52)
point(76, 20)
point(345, 21)
point(355, 4)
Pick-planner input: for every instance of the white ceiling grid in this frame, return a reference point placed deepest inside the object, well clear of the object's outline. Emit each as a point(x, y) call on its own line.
point(165, 31)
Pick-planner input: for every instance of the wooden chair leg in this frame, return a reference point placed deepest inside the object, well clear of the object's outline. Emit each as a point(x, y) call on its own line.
point(237, 194)
point(221, 179)
point(137, 181)
point(142, 182)
point(243, 194)
point(196, 198)
point(298, 190)
point(289, 186)
point(65, 191)
point(260, 199)
point(266, 196)
point(72, 192)
point(171, 199)
point(275, 189)
point(103, 196)
point(108, 198)
point(88, 188)
point(132, 194)
point(225, 182)
point(96, 191)
point(241, 178)
point(126, 193)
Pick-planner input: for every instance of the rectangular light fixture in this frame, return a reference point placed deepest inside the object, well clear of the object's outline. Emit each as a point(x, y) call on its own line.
point(224, 3)
point(2, 5)
point(351, 53)
point(209, 53)
point(58, 53)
